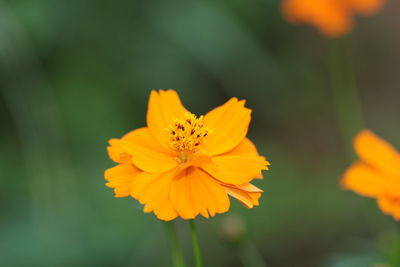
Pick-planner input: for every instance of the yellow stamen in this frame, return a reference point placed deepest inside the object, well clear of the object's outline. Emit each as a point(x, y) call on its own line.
point(187, 135)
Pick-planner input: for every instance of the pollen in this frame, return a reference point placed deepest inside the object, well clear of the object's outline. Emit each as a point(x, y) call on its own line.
point(187, 135)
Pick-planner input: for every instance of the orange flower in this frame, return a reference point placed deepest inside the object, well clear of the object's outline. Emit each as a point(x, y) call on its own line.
point(377, 174)
point(183, 165)
point(333, 18)
point(329, 16)
point(366, 7)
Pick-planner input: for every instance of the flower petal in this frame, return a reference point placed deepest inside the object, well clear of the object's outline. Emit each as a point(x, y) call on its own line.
point(390, 206)
point(377, 152)
point(146, 153)
point(229, 124)
point(194, 191)
point(152, 190)
point(332, 17)
point(247, 194)
point(367, 181)
point(367, 7)
point(117, 154)
point(163, 108)
point(246, 148)
point(250, 188)
point(235, 169)
point(120, 178)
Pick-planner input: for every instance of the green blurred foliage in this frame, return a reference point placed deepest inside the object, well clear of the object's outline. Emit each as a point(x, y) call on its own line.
point(74, 74)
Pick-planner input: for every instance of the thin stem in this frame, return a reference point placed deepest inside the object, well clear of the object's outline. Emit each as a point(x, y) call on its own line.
point(176, 249)
point(394, 255)
point(196, 246)
point(347, 103)
point(346, 99)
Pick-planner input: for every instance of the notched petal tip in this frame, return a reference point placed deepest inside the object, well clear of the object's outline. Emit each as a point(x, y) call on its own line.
point(120, 178)
point(108, 185)
point(266, 165)
point(152, 190)
point(247, 194)
point(196, 192)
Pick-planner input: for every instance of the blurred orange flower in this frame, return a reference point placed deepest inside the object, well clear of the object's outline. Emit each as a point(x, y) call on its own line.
point(183, 165)
point(377, 174)
point(332, 17)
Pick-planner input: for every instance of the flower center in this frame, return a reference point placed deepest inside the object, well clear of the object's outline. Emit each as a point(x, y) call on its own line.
point(187, 135)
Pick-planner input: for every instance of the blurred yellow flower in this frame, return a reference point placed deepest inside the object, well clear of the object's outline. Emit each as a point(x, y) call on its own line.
point(181, 165)
point(333, 18)
point(377, 174)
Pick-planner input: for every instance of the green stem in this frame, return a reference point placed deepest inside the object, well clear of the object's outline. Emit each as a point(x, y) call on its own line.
point(195, 241)
point(176, 249)
point(394, 255)
point(347, 104)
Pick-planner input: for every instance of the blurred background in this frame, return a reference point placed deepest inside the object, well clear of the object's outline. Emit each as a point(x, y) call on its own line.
point(74, 74)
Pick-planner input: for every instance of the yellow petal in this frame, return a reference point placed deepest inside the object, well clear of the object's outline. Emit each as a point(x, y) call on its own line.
point(367, 7)
point(165, 211)
point(229, 124)
point(247, 194)
point(390, 206)
point(250, 188)
point(366, 181)
point(377, 152)
point(152, 190)
point(120, 178)
point(146, 153)
point(163, 108)
point(332, 17)
point(117, 154)
point(194, 191)
point(246, 148)
point(233, 169)
point(255, 197)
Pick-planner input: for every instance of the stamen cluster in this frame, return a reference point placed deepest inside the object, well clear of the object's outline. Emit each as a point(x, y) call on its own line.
point(188, 134)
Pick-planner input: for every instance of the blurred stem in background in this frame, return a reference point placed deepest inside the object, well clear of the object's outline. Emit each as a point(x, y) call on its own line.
point(394, 253)
point(349, 112)
point(344, 85)
point(196, 246)
point(235, 237)
point(176, 248)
